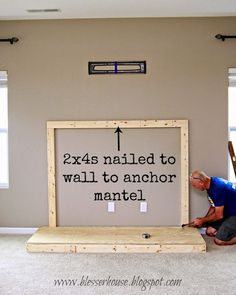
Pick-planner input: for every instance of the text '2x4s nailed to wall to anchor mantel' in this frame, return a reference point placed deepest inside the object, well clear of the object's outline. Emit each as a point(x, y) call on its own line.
point(151, 161)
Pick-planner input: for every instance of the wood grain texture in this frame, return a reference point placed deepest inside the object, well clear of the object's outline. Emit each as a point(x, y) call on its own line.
point(116, 240)
point(51, 178)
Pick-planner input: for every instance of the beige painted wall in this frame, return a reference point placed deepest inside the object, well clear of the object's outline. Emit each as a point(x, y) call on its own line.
point(186, 79)
point(76, 203)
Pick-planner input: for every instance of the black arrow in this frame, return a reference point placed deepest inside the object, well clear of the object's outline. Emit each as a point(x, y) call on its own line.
point(118, 131)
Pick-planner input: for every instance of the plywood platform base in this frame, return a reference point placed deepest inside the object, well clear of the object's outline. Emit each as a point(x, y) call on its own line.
point(116, 240)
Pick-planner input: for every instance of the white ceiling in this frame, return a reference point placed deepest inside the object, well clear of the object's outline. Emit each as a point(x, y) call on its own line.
point(17, 9)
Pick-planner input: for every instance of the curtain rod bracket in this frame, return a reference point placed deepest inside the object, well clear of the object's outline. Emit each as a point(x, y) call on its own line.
point(223, 37)
point(10, 40)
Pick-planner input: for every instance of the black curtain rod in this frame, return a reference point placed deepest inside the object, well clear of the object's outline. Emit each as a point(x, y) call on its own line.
point(223, 37)
point(11, 40)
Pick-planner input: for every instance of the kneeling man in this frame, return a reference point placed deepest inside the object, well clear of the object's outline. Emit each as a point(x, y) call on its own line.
point(221, 216)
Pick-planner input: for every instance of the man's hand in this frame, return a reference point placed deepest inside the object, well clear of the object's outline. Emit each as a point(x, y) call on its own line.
point(214, 215)
point(198, 222)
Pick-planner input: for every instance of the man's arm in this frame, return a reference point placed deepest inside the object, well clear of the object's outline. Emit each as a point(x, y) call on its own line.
point(211, 216)
point(210, 211)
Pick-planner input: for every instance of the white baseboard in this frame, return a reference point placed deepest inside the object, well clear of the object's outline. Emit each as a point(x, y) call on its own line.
point(18, 230)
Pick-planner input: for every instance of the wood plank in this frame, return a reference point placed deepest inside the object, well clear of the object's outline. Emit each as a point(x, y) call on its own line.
point(232, 155)
point(183, 248)
point(115, 124)
point(51, 177)
point(92, 248)
point(116, 240)
point(184, 174)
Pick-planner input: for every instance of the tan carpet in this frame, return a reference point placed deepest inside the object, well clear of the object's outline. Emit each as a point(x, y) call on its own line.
point(198, 274)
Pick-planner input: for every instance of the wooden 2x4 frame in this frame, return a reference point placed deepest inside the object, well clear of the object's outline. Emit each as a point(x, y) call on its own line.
point(53, 125)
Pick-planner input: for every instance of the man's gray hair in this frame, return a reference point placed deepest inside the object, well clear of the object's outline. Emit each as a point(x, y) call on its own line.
point(202, 175)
